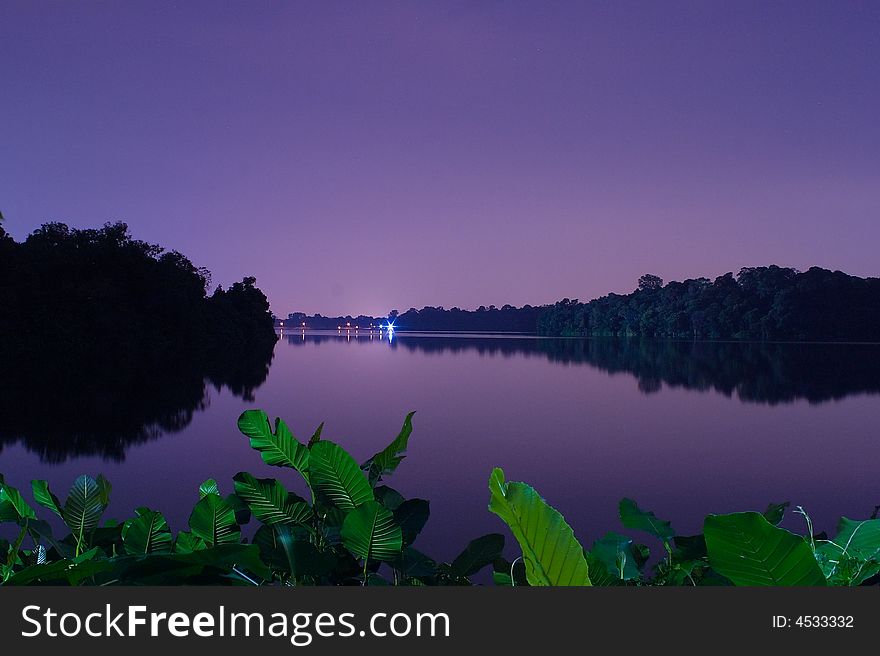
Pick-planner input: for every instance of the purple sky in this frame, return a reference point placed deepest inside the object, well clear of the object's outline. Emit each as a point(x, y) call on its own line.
point(358, 157)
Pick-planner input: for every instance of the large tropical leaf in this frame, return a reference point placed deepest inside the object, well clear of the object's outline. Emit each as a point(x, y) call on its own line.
point(281, 550)
point(411, 516)
point(388, 497)
point(631, 516)
point(85, 504)
point(279, 447)
point(615, 553)
point(186, 542)
point(208, 487)
point(336, 475)
point(478, 554)
point(60, 572)
point(104, 488)
point(147, 533)
point(202, 567)
point(43, 496)
point(854, 554)
point(316, 436)
point(552, 554)
point(270, 502)
point(749, 550)
point(411, 563)
point(387, 460)
point(370, 532)
point(213, 521)
point(13, 507)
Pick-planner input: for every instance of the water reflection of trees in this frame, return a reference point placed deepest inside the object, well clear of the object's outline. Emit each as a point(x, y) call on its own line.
point(64, 407)
point(759, 372)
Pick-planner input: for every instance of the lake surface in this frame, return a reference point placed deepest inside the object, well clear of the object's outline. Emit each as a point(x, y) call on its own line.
point(684, 428)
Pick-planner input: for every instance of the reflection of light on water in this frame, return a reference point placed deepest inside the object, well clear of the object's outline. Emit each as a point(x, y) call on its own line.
point(390, 330)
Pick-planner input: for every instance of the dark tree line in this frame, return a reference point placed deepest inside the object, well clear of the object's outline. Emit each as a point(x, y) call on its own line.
point(758, 303)
point(484, 319)
point(106, 340)
point(101, 289)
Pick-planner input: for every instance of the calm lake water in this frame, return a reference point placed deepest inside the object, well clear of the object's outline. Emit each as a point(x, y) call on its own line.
point(684, 428)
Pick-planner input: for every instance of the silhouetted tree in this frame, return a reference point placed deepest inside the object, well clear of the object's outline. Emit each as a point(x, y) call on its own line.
point(650, 282)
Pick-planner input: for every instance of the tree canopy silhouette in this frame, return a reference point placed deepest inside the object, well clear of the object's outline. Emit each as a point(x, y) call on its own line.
point(769, 302)
point(107, 340)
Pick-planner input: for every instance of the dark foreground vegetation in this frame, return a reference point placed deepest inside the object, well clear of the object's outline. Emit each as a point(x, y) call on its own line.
point(106, 340)
point(356, 530)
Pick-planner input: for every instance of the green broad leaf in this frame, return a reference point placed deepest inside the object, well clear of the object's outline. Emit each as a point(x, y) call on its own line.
point(60, 572)
point(85, 504)
point(202, 567)
point(316, 436)
point(104, 489)
point(43, 496)
point(13, 507)
point(388, 497)
point(370, 532)
point(686, 572)
point(147, 533)
point(387, 460)
point(41, 532)
point(689, 547)
point(208, 487)
point(279, 447)
point(271, 551)
point(270, 502)
point(213, 521)
point(552, 554)
point(853, 556)
point(478, 554)
point(749, 550)
point(507, 574)
point(616, 554)
point(186, 542)
point(411, 516)
point(241, 509)
point(411, 563)
point(283, 550)
point(775, 512)
point(336, 476)
point(631, 516)
point(600, 576)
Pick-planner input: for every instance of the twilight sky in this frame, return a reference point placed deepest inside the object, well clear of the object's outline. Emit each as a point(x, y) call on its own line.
point(363, 156)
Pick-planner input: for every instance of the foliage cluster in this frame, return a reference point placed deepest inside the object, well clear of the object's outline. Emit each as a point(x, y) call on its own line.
point(356, 530)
